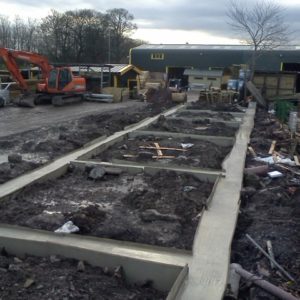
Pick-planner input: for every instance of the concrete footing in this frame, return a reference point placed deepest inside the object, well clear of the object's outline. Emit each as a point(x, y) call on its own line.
point(200, 274)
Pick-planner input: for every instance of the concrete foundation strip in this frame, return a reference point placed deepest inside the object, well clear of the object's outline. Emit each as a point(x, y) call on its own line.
point(207, 272)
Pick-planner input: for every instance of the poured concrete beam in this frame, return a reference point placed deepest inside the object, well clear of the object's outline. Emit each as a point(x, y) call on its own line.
point(208, 271)
point(202, 174)
point(59, 166)
point(140, 262)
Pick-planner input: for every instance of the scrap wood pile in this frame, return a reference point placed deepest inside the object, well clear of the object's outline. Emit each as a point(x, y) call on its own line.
point(267, 237)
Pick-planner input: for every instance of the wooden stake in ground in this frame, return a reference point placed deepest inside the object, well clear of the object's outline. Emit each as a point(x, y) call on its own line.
point(272, 147)
point(251, 150)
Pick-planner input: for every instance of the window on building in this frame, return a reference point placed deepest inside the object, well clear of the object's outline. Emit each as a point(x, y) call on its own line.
point(159, 56)
point(211, 78)
point(199, 78)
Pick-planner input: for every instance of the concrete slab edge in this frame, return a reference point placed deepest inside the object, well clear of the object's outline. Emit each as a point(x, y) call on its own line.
point(140, 262)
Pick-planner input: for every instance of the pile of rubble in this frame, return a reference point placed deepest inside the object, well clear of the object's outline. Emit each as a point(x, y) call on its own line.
point(266, 241)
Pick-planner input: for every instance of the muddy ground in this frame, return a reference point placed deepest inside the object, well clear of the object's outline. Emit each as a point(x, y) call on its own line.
point(39, 146)
point(203, 127)
point(60, 278)
point(222, 116)
point(270, 210)
point(201, 154)
point(159, 210)
point(224, 107)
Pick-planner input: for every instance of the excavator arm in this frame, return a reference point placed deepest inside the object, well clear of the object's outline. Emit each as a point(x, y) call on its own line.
point(10, 56)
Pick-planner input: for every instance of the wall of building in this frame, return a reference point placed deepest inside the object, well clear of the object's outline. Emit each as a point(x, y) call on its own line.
point(157, 60)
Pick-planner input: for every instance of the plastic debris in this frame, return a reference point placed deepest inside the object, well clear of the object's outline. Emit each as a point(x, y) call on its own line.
point(188, 188)
point(68, 227)
point(270, 160)
point(187, 146)
point(275, 174)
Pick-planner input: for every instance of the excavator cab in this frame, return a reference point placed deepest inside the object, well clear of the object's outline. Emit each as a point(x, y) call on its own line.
point(61, 80)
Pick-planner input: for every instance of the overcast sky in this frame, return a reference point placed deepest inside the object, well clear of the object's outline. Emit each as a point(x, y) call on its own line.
point(160, 21)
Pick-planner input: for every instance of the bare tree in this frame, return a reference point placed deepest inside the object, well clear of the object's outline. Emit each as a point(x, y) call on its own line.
point(5, 32)
point(120, 23)
point(260, 25)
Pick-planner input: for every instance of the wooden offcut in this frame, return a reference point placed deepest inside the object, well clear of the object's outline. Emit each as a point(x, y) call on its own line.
point(272, 147)
point(157, 147)
point(251, 150)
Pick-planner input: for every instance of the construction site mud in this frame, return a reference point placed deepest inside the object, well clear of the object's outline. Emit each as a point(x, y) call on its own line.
point(222, 107)
point(201, 127)
point(222, 116)
point(270, 209)
point(163, 209)
point(39, 146)
point(180, 151)
point(56, 277)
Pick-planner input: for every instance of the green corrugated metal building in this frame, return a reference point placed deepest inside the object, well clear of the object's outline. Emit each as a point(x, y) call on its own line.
point(175, 58)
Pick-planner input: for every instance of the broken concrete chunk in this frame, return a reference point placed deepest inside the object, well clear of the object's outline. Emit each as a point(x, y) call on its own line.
point(97, 173)
point(14, 158)
point(153, 215)
point(29, 282)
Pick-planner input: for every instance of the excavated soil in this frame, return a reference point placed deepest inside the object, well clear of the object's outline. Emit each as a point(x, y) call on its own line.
point(60, 278)
point(270, 210)
point(163, 209)
point(204, 127)
point(222, 116)
point(202, 154)
point(40, 146)
point(215, 107)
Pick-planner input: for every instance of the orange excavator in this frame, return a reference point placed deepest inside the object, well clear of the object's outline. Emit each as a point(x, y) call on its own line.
point(59, 85)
